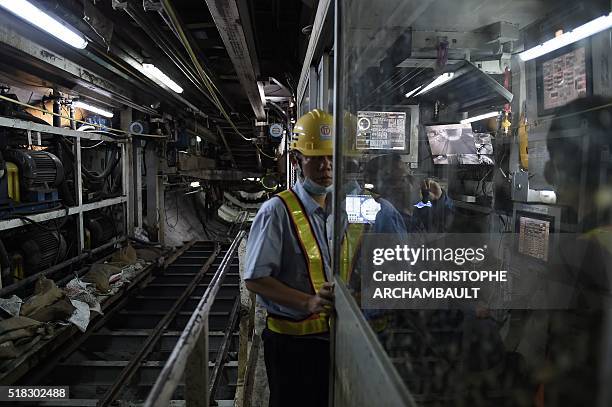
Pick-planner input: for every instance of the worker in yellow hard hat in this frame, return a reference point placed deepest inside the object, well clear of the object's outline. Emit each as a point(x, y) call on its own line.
point(288, 266)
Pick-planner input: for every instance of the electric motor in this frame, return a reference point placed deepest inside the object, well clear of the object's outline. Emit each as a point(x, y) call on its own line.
point(38, 170)
point(101, 229)
point(42, 250)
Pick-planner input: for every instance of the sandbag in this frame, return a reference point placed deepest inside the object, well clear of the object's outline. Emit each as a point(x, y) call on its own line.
point(45, 294)
point(8, 350)
point(15, 328)
point(99, 275)
point(148, 254)
point(20, 333)
point(61, 310)
point(126, 255)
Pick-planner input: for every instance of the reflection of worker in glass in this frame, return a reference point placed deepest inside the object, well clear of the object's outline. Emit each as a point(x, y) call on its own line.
point(394, 182)
point(579, 342)
point(351, 186)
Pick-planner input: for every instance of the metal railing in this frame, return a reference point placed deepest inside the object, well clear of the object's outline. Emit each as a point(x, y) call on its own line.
point(238, 223)
point(189, 358)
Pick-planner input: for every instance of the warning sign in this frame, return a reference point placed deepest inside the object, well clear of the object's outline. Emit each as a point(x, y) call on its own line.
point(381, 130)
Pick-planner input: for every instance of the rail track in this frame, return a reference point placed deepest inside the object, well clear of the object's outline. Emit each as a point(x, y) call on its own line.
point(117, 361)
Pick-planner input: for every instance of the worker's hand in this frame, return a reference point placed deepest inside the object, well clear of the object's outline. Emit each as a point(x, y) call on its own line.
point(323, 300)
point(435, 190)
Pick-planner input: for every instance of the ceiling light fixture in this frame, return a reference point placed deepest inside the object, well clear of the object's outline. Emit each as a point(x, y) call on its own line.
point(440, 80)
point(570, 37)
point(413, 91)
point(93, 109)
point(154, 73)
point(194, 184)
point(480, 117)
point(44, 21)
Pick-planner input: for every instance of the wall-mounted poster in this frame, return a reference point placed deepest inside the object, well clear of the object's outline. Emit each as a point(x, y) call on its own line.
point(563, 76)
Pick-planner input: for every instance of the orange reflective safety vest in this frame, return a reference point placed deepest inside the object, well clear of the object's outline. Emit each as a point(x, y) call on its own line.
point(315, 323)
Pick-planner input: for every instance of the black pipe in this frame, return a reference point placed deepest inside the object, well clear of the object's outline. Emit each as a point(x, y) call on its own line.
point(57, 109)
point(72, 122)
point(96, 177)
point(77, 273)
point(22, 283)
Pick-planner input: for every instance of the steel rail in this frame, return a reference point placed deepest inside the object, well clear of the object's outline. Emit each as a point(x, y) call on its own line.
point(175, 366)
point(126, 374)
point(223, 349)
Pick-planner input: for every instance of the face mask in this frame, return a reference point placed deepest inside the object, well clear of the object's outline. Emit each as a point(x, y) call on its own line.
point(315, 189)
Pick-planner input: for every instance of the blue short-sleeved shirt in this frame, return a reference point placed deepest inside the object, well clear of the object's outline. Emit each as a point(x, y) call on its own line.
point(273, 249)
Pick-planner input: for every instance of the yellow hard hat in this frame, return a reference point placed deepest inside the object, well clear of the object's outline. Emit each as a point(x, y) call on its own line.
point(312, 134)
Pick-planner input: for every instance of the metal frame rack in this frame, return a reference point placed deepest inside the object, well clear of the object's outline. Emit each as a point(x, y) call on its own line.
point(127, 168)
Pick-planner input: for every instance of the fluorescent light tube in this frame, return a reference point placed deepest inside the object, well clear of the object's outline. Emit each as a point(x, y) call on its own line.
point(153, 72)
point(195, 184)
point(45, 22)
point(91, 108)
point(413, 91)
point(480, 117)
point(440, 80)
point(570, 37)
point(262, 93)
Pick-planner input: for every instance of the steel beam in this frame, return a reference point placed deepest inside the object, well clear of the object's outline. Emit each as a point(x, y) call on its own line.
point(222, 175)
point(46, 216)
point(321, 19)
point(152, 165)
point(61, 131)
point(227, 147)
point(138, 182)
point(79, 195)
point(232, 31)
point(127, 172)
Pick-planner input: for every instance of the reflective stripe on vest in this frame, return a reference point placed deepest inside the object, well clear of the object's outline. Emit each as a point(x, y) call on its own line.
point(350, 245)
point(315, 323)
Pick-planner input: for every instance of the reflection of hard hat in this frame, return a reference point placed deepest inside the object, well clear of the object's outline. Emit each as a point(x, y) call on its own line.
point(312, 134)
